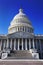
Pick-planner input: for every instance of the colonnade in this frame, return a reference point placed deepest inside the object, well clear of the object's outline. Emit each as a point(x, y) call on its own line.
point(13, 43)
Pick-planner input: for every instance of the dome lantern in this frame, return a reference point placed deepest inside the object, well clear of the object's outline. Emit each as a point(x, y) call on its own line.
point(21, 10)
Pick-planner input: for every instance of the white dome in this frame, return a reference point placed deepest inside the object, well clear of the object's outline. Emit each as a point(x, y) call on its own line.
point(20, 20)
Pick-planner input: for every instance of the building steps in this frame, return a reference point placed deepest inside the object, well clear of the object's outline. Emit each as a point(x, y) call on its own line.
point(20, 55)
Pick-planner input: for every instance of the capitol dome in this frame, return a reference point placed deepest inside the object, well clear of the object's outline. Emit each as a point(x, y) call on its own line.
point(20, 23)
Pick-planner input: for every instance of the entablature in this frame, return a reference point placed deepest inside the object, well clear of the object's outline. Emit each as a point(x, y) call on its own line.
point(38, 36)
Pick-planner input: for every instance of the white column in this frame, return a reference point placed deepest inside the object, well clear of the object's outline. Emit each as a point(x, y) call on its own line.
point(18, 43)
point(29, 44)
point(11, 44)
point(0, 45)
point(7, 43)
point(24, 29)
point(4, 45)
point(36, 45)
point(14, 44)
point(22, 44)
point(33, 44)
point(17, 28)
point(40, 47)
point(40, 44)
point(25, 44)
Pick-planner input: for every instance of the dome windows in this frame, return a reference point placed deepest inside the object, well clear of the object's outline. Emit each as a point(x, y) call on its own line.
point(21, 29)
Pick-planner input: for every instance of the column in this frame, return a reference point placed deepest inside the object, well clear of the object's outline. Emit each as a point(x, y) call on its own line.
point(7, 43)
point(29, 44)
point(1, 45)
point(40, 44)
point(18, 43)
point(24, 29)
point(17, 28)
point(4, 45)
point(40, 47)
point(25, 44)
point(22, 44)
point(36, 45)
point(33, 44)
point(14, 44)
point(11, 44)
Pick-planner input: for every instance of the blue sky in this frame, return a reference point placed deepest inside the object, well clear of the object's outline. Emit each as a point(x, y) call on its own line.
point(32, 8)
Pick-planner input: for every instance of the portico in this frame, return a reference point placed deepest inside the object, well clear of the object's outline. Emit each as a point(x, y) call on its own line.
point(18, 44)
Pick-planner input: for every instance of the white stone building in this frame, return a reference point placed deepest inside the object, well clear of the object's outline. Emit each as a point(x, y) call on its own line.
point(21, 39)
